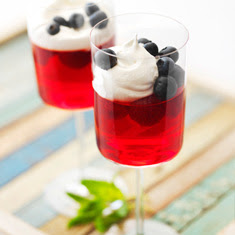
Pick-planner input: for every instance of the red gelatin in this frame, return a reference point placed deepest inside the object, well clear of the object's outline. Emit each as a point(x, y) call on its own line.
point(64, 77)
point(140, 133)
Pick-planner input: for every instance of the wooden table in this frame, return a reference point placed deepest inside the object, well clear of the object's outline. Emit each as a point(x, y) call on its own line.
point(194, 193)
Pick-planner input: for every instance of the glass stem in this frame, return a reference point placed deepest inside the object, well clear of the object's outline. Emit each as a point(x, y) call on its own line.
point(139, 202)
point(80, 130)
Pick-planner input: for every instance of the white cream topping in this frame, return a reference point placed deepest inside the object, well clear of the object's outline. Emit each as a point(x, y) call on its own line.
point(67, 38)
point(133, 76)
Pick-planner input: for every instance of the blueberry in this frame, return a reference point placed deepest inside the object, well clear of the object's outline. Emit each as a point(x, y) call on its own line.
point(76, 21)
point(178, 74)
point(91, 8)
point(97, 17)
point(105, 61)
point(165, 88)
point(169, 49)
point(151, 48)
point(61, 21)
point(165, 66)
point(53, 28)
point(143, 40)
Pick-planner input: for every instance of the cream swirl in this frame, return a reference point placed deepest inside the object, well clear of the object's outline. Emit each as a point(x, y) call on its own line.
point(67, 38)
point(133, 76)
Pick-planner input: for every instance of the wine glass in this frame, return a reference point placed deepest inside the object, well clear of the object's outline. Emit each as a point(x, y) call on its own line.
point(139, 106)
point(59, 34)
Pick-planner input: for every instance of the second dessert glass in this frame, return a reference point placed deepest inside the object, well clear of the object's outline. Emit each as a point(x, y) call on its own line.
point(140, 97)
point(59, 34)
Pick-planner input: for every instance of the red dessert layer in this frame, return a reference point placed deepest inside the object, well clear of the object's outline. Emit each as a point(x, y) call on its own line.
point(140, 133)
point(64, 77)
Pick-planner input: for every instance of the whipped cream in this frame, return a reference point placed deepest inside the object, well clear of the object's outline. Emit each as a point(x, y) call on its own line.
point(132, 78)
point(67, 38)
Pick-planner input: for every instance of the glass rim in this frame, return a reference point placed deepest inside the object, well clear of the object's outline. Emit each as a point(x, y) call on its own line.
point(139, 13)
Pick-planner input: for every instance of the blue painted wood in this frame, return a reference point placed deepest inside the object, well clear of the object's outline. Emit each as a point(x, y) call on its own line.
point(23, 159)
point(200, 200)
point(29, 155)
point(198, 105)
point(18, 89)
point(212, 196)
point(25, 105)
point(36, 213)
point(216, 219)
point(89, 119)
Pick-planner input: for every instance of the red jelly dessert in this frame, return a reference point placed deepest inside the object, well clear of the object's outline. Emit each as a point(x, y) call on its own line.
point(139, 103)
point(139, 133)
point(64, 77)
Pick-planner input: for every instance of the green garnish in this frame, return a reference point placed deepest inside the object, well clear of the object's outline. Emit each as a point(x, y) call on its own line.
point(105, 206)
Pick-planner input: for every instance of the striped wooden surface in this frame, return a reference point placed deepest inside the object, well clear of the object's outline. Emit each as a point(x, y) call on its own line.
point(194, 193)
point(20, 227)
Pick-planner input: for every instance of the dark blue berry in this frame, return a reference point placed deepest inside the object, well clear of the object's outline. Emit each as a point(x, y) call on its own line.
point(151, 48)
point(165, 88)
point(105, 61)
point(91, 8)
point(53, 28)
point(178, 74)
point(76, 21)
point(174, 56)
point(165, 66)
point(97, 17)
point(143, 40)
point(61, 21)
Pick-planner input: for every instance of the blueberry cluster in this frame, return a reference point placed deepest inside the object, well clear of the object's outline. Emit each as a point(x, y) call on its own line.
point(171, 75)
point(96, 15)
point(76, 20)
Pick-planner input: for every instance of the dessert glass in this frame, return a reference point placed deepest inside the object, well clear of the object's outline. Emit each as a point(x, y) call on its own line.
point(62, 59)
point(143, 131)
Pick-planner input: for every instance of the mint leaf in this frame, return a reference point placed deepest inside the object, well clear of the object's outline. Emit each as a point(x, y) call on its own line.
point(95, 205)
point(82, 219)
point(105, 205)
point(78, 198)
point(87, 212)
point(117, 211)
point(107, 191)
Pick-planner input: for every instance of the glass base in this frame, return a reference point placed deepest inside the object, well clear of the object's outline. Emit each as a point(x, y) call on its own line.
point(55, 192)
point(151, 227)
